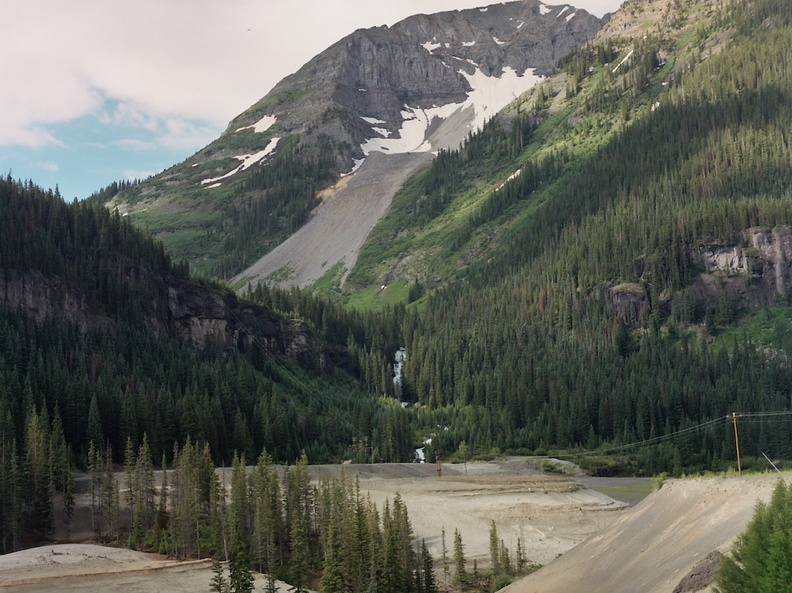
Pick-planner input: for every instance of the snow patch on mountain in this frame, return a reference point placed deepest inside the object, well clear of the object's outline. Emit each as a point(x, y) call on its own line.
point(430, 46)
point(562, 11)
point(544, 9)
point(627, 57)
point(488, 95)
point(412, 135)
point(262, 125)
point(514, 175)
point(247, 161)
point(491, 94)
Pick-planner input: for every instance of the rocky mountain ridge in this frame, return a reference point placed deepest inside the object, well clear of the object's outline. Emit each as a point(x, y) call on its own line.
point(424, 62)
point(416, 87)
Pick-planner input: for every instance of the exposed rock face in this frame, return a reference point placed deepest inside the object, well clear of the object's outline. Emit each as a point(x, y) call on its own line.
point(207, 316)
point(419, 63)
point(627, 298)
point(752, 276)
point(204, 316)
point(46, 297)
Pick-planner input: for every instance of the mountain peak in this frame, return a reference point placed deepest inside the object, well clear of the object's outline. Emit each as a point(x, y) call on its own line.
point(421, 85)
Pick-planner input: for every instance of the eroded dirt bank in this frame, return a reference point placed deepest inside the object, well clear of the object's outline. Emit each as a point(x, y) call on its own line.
point(652, 547)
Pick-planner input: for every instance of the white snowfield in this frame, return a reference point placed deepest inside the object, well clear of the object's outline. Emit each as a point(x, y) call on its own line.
point(340, 224)
point(262, 125)
point(248, 160)
point(430, 46)
point(489, 95)
point(627, 57)
point(514, 175)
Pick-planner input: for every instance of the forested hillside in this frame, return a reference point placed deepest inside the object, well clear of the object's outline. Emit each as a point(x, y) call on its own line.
point(569, 300)
point(114, 369)
point(603, 269)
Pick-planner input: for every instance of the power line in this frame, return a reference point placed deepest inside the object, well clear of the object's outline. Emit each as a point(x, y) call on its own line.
point(751, 417)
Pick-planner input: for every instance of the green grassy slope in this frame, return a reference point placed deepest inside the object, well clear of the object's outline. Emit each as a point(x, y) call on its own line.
point(627, 165)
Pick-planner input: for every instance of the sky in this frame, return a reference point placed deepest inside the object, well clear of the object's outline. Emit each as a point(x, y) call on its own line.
point(96, 91)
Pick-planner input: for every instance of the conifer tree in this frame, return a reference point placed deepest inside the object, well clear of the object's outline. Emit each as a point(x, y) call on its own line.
point(11, 503)
point(163, 491)
point(298, 561)
point(94, 430)
point(494, 548)
point(240, 579)
point(37, 461)
point(61, 469)
point(95, 470)
point(460, 572)
point(521, 560)
point(760, 560)
point(218, 584)
point(333, 579)
point(394, 577)
point(444, 558)
point(429, 584)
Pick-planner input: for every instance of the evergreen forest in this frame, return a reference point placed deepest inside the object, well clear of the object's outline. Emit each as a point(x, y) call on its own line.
point(562, 307)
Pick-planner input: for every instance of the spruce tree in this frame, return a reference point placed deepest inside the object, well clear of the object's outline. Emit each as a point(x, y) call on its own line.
point(429, 584)
point(240, 579)
point(298, 562)
point(333, 580)
point(444, 558)
point(494, 548)
point(218, 583)
point(760, 561)
point(460, 572)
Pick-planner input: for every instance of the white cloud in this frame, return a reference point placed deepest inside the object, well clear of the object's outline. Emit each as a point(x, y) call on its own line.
point(47, 166)
point(132, 175)
point(181, 133)
point(30, 136)
point(143, 84)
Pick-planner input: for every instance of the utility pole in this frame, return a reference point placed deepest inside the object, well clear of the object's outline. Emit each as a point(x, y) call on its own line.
point(737, 443)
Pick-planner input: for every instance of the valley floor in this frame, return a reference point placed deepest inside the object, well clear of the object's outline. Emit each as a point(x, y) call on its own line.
point(551, 514)
point(588, 541)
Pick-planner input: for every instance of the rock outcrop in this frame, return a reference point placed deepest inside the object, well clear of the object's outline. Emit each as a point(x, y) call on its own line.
point(203, 316)
point(422, 62)
point(754, 274)
point(206, 316)
point(43, 297)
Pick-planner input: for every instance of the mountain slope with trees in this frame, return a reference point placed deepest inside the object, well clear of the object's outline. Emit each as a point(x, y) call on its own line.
point(246, 192)
point(99, 352)
point(572, 257)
